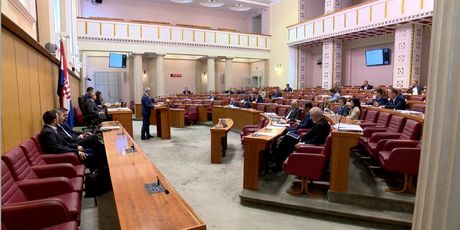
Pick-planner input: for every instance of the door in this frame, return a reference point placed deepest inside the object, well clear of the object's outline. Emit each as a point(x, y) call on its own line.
point(107, 83)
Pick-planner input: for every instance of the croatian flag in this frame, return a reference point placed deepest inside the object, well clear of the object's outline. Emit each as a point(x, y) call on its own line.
point(63, 92)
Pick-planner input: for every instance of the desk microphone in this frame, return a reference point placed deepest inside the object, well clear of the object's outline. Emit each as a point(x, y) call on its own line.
point(159, 183)
point(338, 126)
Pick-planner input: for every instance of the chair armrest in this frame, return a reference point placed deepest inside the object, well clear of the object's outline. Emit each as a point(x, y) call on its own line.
point(39, 213)
point(61, 158)
point(368, 124)
point(368, 131)
point(55, 170)
point(404, 160)
point(305, 164)
point(376, 137)
point(249, 127)
point(308, 148)
point(392, 144)
point(47, 187)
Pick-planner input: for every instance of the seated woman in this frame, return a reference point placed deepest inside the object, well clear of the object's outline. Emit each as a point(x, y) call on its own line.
point(344, 110)
point(355, 109)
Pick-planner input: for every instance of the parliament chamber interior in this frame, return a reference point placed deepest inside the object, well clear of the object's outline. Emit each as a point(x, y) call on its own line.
point(230, 114)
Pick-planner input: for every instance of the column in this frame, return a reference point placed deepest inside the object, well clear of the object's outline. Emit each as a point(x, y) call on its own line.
point(266, 80)
point(152, 75)
point(302, 67)
point(407, 54)
point(292, 68)
point(211, 73)
point(83, 73)
point(332, 63)
point(438, 188)
point(138, 75)
point(228, 73)
point(160, 76)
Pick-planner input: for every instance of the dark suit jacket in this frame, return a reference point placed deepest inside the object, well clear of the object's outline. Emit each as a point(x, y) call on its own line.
point(368, 87)
point(383, 100)
point(306, 122)
point(318, 133)
point(52, 142)
point(419, 90)
point(344, 110)
point(185, 92)
point(235, 103)
point(62, 131)
point(276, 95)
point(146, 105)
point(294, 115)
point(398, 103)
point(288, 89)
point(91, 108)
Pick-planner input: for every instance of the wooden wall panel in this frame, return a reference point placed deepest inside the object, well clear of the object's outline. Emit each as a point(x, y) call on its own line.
point(34, 90)
point(75, 89)
point(23, 80)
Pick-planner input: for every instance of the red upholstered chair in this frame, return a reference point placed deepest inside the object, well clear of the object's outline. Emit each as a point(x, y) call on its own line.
point(418, 107)
point(412, 131)
point(281, 110)
point(191, 114)
point(79, 115)
point(395, 126)
point(278, 101)
point(416, 97)
point(15, 194)
point(260, 107)
point(371, 116)
point(401, 156)
point(310, 163)
point(35, 157)
point(21, 169)
point(268, 100)
point(271, 108)
point(382, 121)
point(287, 102)
point(362, 115)
point(248, 129)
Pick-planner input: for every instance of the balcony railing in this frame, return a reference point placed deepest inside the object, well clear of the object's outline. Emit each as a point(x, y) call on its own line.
point(374, 14)
point(164, 33)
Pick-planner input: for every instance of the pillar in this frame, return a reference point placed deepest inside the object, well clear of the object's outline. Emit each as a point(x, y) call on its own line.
point(228, 73)
point(292, 68)
point(266, 80)
point(84, 71)
point(138, 74)
point(160, 76)
point(332, 63)
point(438, 188)
point(152, 62)
point(211, 73)
point(302, 68)
point(407, 54)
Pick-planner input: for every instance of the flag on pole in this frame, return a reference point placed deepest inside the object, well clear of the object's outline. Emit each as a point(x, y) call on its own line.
point(65, 100)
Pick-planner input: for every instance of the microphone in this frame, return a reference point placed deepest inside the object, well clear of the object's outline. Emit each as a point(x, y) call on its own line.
point(338, 126)
point(160, 184)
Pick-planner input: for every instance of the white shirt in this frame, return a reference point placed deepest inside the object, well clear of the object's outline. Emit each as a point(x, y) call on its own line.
point(53, 127)
point(415, 91)
point(64, 131)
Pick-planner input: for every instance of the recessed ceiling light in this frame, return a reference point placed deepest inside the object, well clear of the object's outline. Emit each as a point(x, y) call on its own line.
point(182, 1)
point(212, 3)
point(239, 7)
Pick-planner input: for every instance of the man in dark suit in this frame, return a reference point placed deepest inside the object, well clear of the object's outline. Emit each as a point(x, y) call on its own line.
point(415, 88)
point(288, 88)
point(366, 86)
point(234, 103)
point(293, 113)
point(257, 98)
point(147, 105)
point(276, 93)
point(316, 136)
point(380, 98)
point(186, 91)
point(88, 91)
point(53, 143)
point(397, 100)
point(92, 109)
point(306, 122)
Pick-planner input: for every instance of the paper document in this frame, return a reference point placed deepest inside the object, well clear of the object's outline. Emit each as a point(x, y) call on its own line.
point(281, 125)
point(265, 134)
point(348, 128)
point(105, 128)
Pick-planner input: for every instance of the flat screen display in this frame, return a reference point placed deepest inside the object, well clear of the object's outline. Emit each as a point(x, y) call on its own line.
point(117, 60)
point(378, 57)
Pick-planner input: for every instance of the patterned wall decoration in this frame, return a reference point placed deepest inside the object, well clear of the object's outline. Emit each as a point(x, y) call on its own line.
point(302, 5)
point(332, 63)
point(302, 67)
point(331, 5)
point(408, 44)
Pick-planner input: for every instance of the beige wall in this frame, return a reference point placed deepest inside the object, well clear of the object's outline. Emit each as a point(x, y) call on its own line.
point(12, 12)
point(175, 85)
point(283, 14)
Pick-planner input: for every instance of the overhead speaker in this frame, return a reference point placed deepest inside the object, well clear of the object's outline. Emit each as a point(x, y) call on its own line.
point(51, 47)
point(95, 2)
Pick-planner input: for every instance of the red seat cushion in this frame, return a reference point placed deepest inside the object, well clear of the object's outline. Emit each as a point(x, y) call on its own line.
point(71, 225)
point(72, 202)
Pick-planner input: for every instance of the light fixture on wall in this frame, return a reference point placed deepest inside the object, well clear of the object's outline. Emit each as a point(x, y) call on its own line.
point(182, 1)
point(278, 68)
point(239, 7)
point(212, 3)
point(145, 74)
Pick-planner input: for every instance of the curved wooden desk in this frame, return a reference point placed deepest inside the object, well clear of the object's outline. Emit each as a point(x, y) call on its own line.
point(241, 117)
point(124, 116)
point(136, 208)
point(219, 140)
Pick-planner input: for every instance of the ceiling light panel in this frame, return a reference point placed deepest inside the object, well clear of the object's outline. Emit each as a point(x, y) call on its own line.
point(212, 3)
point(182, 1)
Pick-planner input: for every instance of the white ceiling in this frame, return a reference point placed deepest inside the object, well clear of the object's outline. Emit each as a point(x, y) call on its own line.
point(255, 5)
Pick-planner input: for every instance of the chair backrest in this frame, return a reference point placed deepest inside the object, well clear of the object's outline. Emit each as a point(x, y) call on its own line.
point(419, 107)
point(36, 140)
point(82, 104)
point(79, 115)
point(363, 114)
point(29, 148)
point(281, 110)
point(260, 107)
point(412, 130)
point(271, 108)
point(384, 119)
point(396, 124)
point(371, 116)
point(268, 100)
point(327, 146)
point(10, 191)
point(18, 164)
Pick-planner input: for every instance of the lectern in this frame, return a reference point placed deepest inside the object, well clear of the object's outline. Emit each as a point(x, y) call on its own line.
point(162, 121)
point(219, 139)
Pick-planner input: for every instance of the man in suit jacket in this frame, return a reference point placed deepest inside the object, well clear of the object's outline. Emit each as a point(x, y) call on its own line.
point(380, 98)
point(87, 96)
point(276, 93)
point(186, 91)
point(257, 98)
point(92, 109)
point(294, 112)
point(53, 143)
point(147, 105)
point(234, 103)
point(366, 86)
point(397, 100)
point(288, 88)
point(415, 88)
point(306, 122)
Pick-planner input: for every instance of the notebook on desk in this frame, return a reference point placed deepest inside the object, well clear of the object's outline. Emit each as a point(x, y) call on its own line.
point(348, 128)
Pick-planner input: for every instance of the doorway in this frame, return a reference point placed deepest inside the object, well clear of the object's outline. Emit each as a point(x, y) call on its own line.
point(108, 83)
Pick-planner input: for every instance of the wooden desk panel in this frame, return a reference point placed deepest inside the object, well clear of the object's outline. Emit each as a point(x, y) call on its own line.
point(217, 139)
point(161, 114)
point(135, 207)
point(202, 113)
point(176, 118)
point(124, 116)
point(240, 117)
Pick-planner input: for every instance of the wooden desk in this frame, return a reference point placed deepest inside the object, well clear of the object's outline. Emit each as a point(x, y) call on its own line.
point(253, 148)
point(176, 118)
point(202, 113)
point(161, 114)
point(219, 140)
point(241, 117)
point(135, 207)
point(124, 116)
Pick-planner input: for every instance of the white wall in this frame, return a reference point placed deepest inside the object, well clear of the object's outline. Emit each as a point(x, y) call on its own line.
point(240, 71)
point(19, 17)
point(172, 13)
point(175, 85)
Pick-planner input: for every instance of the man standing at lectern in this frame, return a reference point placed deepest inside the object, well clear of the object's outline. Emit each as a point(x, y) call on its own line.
point(147, 105)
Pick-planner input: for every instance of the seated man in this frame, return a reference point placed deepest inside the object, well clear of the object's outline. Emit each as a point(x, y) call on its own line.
point(415, 88)
point(257, 98)
point(52, 142)
point(186, 91)
point(246, 102)
point(234, 103)
point(276, 93)
point(288, 88)
point(366, 86)
point(87, 96)
point(397, 100)
point(293, 114)
point(306, 122)
point(316, 136)
point(344, 109)
point(86, 140)
point(92, 108)
point(380, 99)
point(335, 96)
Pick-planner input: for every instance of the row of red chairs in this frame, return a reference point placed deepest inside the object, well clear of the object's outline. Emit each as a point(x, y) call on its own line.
point(41, 191)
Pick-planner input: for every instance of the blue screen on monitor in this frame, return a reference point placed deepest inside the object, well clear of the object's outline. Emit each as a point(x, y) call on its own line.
point(117, 60)
point(378, 57)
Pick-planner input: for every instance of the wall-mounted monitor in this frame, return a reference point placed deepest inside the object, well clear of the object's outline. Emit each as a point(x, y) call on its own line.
point(117, 60)
point(378, 57)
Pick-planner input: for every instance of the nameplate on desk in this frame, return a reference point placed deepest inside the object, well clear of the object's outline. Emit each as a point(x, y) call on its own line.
point(153, 188)
point(348, 128)
point(257, 134)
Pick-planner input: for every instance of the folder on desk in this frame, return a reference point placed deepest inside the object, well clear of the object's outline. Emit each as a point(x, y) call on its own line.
point(348, 128)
